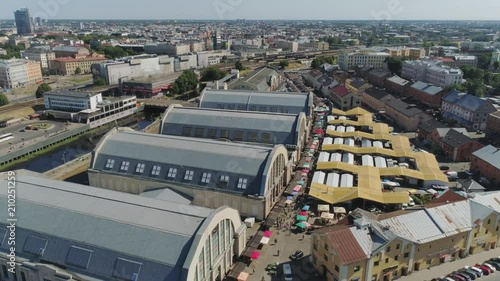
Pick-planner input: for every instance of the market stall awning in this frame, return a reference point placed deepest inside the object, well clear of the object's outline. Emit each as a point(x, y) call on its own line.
point(267, 233)
point(295, 193)
point(306, 208)
point(255, 255)
point(289, 198)
point(297, 188)
point(327, 216)
point(288, 202)
point(323, 208)
point(339, 210)
point(303, 213)
point(301, 218)
point(300, 182)
point(301, 225)
point(264, 240)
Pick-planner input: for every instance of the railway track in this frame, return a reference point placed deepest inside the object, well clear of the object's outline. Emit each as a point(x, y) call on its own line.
point(15, 106)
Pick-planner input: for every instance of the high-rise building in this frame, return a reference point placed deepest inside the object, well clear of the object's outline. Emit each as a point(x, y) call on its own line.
point(24, 23)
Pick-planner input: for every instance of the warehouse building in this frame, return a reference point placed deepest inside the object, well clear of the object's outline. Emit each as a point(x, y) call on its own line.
point(246, 177)
point(240, 126)
point(106, 235)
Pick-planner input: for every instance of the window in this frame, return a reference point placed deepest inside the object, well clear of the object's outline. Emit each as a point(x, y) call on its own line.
point(124, 166)
point(224, 180)
point(266, 137)
point(274, 109)
point(212, 133)
point(140, 168)
point(489, 221)
point(186, 131)
point(388, 249)
point(199, 132)
point(156, 170)
point(325, 257)
point(206, 177)
point(253, 108)
point(336, 268)
point(252, 136)
point(356, 268)
point(386, 260)
point(326, 247)
point(242, 183)
point(224, 134)
point(406, 255)
point(263, 108)
point(396, 257)
point(110, 163)
point(238, 135)
point(376, 263)
point(397, 247)
point(172, 173)
point(188, 175)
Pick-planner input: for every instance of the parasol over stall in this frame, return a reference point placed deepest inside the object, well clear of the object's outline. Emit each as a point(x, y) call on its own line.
point(255, 255)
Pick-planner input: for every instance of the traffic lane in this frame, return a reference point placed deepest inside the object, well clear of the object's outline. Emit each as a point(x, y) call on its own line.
point(28, 135)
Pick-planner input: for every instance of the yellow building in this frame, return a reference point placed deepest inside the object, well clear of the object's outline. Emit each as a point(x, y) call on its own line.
point(34, 71)
point(68, 65)
point(368, 247)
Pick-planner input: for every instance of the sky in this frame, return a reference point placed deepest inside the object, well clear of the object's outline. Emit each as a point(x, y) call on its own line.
point(257, 9)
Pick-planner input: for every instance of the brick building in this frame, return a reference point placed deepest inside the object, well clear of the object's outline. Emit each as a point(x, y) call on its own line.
point(427, 94)
point(485, 163)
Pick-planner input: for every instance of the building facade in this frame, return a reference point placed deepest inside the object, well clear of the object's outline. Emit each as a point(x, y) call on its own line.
point(264, 79)
point(246, 177)
point(68, 65)
point(493, 124)
point(431, 72)
point(427, 94)
point(133, 237)
point(70, 51)
point(348, 60)
point(40, 54)
point(16, 73)
point(375, 99)
point(343, 98)
point(24, 22)
point(469, 111)
point(485, 163)
point(404, 115)
point(167, 49)
point(71, 101)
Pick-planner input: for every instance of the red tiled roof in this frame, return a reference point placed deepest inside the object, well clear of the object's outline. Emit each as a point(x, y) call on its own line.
point(345, 245)
point(341, 91)
point(448, 196)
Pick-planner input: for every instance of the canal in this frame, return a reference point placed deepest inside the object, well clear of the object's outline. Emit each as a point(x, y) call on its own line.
point(77, 148)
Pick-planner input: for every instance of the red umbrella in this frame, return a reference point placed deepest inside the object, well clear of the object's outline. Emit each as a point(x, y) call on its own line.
point(318, 131)
point(255, 255)
point(303, 213)
point(305, 171)
point(267, 233)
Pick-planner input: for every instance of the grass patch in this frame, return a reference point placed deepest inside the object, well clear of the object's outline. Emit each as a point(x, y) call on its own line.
point(17, 113)
point(79, 79)
point(42, 126)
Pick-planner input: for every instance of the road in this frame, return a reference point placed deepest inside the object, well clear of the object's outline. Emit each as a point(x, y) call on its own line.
point(72, 168)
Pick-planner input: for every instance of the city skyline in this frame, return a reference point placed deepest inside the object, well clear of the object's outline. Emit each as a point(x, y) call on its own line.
point(258, 9)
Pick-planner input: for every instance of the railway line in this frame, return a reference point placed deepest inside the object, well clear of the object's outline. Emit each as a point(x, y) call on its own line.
point(15, 106)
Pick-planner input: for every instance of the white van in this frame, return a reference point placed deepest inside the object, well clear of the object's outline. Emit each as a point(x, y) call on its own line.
point(412, 202)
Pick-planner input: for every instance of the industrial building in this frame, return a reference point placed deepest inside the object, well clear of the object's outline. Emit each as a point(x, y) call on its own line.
point(278, 102)
point(261, 128)
point(248, 178)
point(368, 247)
point(68, 231)
point(264, 79)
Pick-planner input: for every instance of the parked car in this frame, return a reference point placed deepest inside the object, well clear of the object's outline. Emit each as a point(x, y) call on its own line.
point(464, 275)
point(457, 277)
point(486, 270)
point(494, 263)
point(443, 168)
point(297, 255)
point(490, 266)
point(477, 270)
point(472, 274)
point(287, 272)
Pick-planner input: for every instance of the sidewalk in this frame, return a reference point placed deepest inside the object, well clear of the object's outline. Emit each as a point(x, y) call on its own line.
point(447, 268)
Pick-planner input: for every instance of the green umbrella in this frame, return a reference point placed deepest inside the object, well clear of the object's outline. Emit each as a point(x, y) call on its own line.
point(301, 225)
point(301, 218)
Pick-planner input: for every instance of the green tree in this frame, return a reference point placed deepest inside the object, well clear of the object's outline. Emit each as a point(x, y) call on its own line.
point(99, 81)
point(212, 74)
point(284, 64)
point(78, 70)
point(484, 60)
point(395, 65)
point(496, 65)
point(43, 88)
point(318, 61)
point(185, 83)
point(3, 100)
point(238, 65)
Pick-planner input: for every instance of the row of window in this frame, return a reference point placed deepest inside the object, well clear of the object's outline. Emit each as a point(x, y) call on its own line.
point(172, 173)
point(254, 108)
point(226, 134)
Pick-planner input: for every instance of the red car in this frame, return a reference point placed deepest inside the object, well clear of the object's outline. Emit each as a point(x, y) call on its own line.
point(486, 270)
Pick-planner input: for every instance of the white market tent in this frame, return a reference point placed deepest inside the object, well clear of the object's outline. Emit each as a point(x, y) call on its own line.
point(348, 158)
point(349, 142)
point(341, 129)
point(324, 157)
point(333, 180)
point(350, 129)
point(327, 140)
point(378, 144)
point(366, 143)
point(380, 162)
point(319, 177)
point(336, 157)
point(330, 128)
point(367, 160)
point(347, 180)
point(338, 141)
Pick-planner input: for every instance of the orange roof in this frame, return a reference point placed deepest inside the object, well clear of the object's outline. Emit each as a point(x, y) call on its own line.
point(346, 246)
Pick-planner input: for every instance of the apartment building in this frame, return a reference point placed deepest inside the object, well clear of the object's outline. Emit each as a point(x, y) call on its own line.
point(343, 98)
point(455, 143)
point(397, 85)
point(411, 53)
point(431, 72)
point(68, 65)
point(348, 60)
point(291, 46)
point(469, 111)
point(375, 99)
point(16, 73)
point(314, 46)
point(41, 54)
point(493, 124)
point(368, 247)
point(458, 61)
point(127, 68)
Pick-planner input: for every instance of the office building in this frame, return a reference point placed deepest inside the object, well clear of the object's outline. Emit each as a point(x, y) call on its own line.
point(348, 60)
point(431, 72)
point(72, 101)
point(16, 73)
point(74, 232)
point(24, 23)
point(124, 69)
point(42, 54)
point(248, 178)
point(368, 247)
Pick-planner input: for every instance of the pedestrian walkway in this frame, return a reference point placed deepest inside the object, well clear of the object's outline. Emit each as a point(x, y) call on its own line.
point(446, 268)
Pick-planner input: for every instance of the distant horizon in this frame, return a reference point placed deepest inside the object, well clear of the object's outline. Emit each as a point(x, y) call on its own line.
point(317, 10)
point(290, 20)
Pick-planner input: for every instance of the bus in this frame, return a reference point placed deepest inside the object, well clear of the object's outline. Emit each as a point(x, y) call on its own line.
point(6, 137)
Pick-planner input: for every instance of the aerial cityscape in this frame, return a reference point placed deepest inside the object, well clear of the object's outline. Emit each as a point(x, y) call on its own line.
point(261, 141)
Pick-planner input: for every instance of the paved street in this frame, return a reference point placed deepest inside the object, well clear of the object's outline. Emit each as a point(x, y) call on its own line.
point(449, 267)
